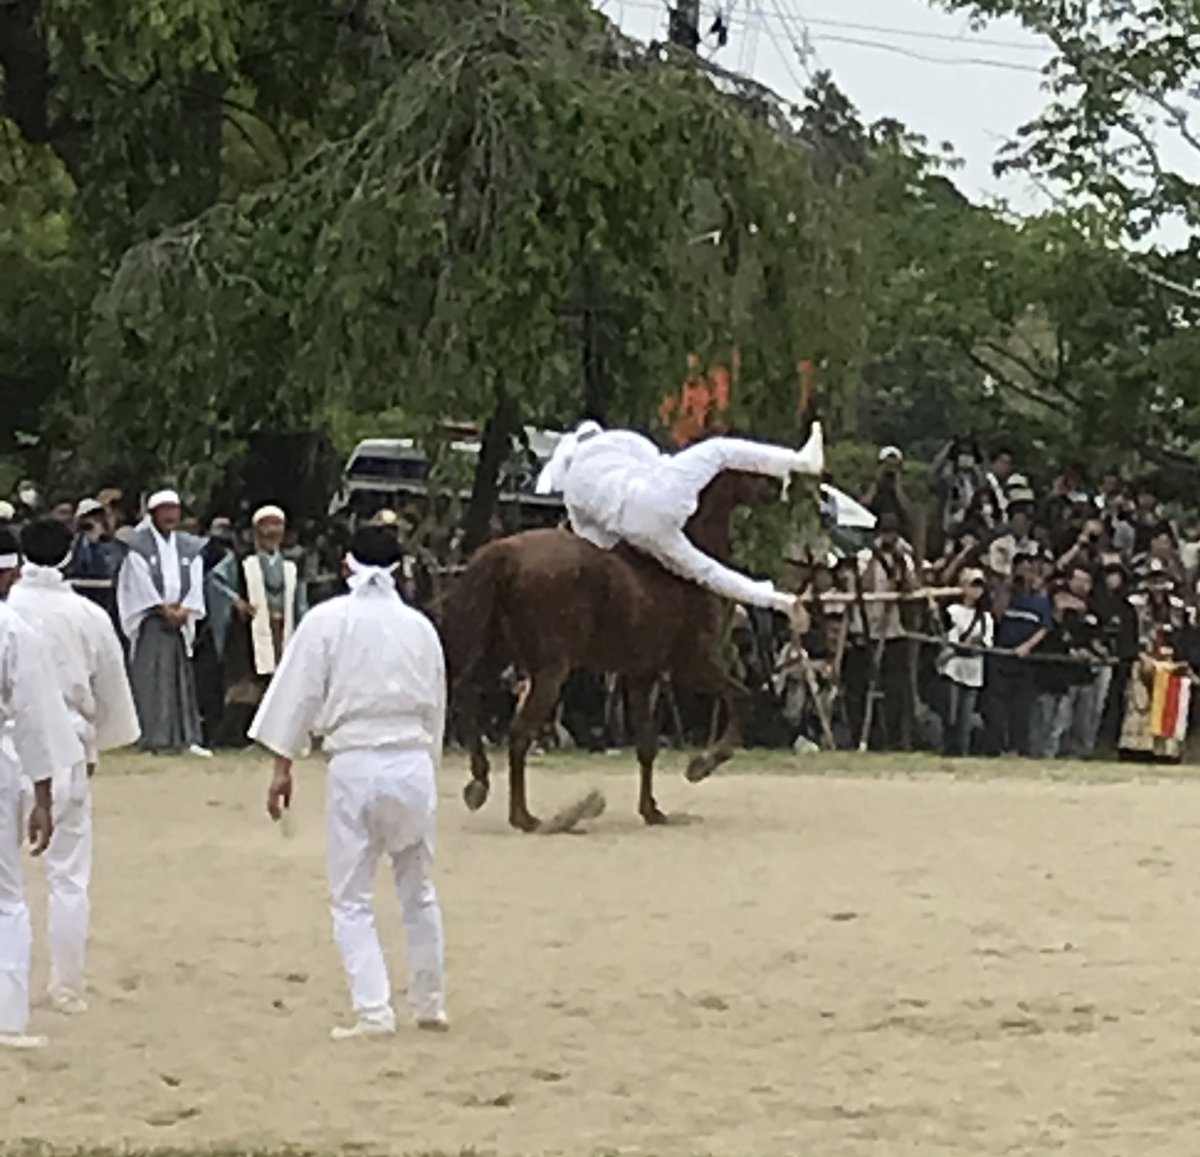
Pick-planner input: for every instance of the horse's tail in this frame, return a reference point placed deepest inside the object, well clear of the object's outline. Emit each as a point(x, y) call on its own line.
point(468, 616)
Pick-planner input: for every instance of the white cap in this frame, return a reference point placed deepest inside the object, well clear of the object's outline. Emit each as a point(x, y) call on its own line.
point(87, 506)
point(7, 511)
point(891, 452)
point(163, 498)
point(265, 512)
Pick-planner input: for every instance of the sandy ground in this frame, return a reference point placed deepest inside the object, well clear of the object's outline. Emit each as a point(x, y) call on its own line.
point(834, 966)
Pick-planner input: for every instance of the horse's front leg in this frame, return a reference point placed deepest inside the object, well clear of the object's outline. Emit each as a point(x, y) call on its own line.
point(642, 702)
point(734, 696)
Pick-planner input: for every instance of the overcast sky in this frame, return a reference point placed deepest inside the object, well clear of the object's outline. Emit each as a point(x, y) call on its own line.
point(898, 58)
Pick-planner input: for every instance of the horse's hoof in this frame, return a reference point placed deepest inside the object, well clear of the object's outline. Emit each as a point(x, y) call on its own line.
point(525, 823)
point(655, 818)
point(700, 768)
point(475, 794)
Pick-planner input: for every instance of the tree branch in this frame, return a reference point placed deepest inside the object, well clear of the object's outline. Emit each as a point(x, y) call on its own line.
point(1055, 404)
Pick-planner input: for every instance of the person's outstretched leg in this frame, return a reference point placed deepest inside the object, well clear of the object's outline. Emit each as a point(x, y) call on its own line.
point(698, 465)
point(676, 552)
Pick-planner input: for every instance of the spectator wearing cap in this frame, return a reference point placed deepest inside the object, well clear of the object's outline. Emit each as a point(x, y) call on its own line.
point(1023, 619)
point(886, 494)
point(91, 556)
point(969, 623)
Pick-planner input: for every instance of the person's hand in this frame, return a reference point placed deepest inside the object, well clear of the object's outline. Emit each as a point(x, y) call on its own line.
point(41, 828)
point(245, 611)
point(279, 795)
point(1024, 651)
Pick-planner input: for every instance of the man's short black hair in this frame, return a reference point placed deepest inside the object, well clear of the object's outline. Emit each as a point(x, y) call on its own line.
point(1002, 451)
point(8, 542)
point(46, 542)
point(376, 546)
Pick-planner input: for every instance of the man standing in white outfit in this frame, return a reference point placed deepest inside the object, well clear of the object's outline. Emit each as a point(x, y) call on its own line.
point(88, 666)
point(618, 486)
point(367, 672)
point(37, 736)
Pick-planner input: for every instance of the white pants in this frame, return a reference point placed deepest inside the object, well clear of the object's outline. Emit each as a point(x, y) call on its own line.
point(16, 933)
point(68, 862)
point(654, 517)
point(384, 803)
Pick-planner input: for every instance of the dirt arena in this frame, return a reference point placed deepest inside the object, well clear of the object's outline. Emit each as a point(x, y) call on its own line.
point(823, 965)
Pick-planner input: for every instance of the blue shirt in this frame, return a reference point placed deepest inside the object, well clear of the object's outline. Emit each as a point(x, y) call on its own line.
point(1027, 614)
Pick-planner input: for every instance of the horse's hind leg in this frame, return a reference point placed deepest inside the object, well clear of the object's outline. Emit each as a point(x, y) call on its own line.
point(642, 702)
point(734, 696)
point(545, 686)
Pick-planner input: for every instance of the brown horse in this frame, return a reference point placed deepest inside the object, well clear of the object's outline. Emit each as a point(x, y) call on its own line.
point(550, 602)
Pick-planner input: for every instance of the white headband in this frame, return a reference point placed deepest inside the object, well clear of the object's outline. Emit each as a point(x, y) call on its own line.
point(9, 561)
point(364, 577)
point(163, 498)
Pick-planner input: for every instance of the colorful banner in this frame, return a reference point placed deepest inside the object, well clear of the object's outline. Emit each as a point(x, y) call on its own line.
point(1170, 701)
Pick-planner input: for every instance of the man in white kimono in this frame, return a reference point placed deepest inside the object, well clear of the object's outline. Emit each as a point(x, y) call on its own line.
point(618, 486)
point(89, 668)
point(36, 736)
point(367, 672)
point(160, 598)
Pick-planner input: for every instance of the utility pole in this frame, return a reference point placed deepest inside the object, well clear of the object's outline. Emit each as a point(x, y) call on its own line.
point(684, 29)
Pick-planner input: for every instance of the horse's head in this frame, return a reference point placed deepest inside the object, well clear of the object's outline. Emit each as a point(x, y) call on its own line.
point(711, 527)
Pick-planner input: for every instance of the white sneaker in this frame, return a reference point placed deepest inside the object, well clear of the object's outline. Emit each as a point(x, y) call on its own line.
point(200, 752)
point(811, 459)
point(366, 1027)
point(68, 1003)
point(21, 1041)
point(438, 1023)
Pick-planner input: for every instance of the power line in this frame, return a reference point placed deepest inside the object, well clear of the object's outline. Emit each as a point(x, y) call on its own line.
point(882, 29)
point(945, 37)
point(980, 61)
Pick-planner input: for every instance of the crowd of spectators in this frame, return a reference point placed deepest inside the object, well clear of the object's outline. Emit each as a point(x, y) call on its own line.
point(1059, 624)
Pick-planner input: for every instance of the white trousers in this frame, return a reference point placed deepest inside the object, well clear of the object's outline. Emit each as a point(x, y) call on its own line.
point(16, 933)
point(653, 519)
point(384, 803)
point(68, 862)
